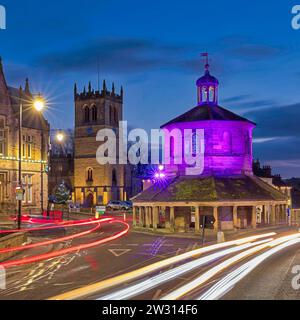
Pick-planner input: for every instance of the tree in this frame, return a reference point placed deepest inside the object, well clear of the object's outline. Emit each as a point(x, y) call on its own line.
point(62, 193)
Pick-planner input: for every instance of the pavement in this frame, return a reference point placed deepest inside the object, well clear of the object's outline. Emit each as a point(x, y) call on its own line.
point(272, 280)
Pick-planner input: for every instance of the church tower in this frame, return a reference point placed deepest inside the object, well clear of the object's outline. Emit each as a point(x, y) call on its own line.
point(96, 184)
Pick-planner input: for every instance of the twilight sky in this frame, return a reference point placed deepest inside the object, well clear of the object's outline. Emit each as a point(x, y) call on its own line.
point(153, 49)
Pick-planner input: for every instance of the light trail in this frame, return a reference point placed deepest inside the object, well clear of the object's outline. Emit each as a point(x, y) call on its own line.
point(174, 273)
point(61, 252)
point(228, 282)
point(183, 290)
point(68, 224)
point(106, 284)
point(53, 241)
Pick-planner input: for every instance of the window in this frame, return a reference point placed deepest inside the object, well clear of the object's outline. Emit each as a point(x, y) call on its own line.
point(115, 115)
point(204, 94)
point(2, 137)
point(29, 193)
point(27, 181)
point(114, 177)
point(227, 142)
point(2, 142)
point(195, 145)
point(86, 111)
point(29, 146)
point(89, 175)
point(24, 150)
point(111, 115)
point(94, 113)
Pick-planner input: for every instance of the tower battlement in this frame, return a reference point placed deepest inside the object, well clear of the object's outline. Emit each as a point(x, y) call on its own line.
point(90, 93)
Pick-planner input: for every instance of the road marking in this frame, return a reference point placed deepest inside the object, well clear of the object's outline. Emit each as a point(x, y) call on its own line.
point(119, 252)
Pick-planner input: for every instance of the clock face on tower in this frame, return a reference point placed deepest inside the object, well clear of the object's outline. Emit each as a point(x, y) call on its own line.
point(89, 131)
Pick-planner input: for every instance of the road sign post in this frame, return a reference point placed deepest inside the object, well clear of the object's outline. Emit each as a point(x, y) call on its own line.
point(100, 211)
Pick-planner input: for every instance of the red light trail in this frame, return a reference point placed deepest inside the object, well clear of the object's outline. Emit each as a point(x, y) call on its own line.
point(44, 243)
point(61, 252)
point(65, 225)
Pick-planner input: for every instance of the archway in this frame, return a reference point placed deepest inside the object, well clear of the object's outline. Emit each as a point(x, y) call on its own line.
point(89, 200)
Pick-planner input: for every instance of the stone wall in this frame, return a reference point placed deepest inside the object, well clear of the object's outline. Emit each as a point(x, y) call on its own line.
point(12, 240)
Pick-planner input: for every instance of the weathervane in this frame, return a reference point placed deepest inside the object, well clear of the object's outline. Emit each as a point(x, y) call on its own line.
point(205, 54)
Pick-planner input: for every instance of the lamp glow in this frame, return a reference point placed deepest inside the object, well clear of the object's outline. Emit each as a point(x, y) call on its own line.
point(39, 104)
point(60, 137)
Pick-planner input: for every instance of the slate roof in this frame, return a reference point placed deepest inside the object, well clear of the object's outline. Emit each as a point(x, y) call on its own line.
point(207, 112)
point(211, 189)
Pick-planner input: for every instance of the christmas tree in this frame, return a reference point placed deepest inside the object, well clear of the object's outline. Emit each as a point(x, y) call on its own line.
point(62, 193)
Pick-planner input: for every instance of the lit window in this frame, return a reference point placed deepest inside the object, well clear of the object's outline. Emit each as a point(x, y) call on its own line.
point(29, 151)
point(24, 150)
point(29, 193)
point(2, 142)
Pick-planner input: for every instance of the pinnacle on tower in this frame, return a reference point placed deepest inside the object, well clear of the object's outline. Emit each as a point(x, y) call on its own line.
point(113, 88)
point(90, 87)
point(27, 89)
point(104, 86)
point(1, 66)
point(122, 91)
point(75, 89)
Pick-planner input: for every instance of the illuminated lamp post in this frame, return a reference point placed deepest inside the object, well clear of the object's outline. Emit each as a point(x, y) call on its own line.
point(38, 104)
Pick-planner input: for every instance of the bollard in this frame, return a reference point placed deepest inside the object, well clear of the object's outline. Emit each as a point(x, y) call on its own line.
point(220, 237)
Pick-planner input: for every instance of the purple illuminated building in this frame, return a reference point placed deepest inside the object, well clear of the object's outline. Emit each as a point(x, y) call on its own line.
point(227, 136)
point(226, 189)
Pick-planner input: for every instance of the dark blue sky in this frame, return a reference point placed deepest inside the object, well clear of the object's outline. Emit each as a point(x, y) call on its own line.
point(153, 48)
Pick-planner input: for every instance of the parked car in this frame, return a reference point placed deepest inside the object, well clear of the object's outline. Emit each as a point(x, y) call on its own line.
point(119, 205)
point(126, 205)
point(114, 205)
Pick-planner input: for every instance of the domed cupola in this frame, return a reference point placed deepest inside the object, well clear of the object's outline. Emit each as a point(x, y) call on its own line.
point(207, 87)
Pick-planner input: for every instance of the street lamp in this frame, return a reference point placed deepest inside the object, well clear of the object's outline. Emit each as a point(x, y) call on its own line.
point(38, 103)
point(60, 137)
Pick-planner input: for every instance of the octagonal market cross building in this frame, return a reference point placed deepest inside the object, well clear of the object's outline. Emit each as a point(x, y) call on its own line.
point(227, 188)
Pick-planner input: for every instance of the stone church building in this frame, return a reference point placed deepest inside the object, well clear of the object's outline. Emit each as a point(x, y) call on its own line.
point(226, 190)
point(35, 148)
point(93, 183)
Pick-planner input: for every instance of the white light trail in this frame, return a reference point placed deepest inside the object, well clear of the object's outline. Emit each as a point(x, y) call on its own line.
point(174, 273)
point(109, 283)
point(228, 282)
point(183, 290)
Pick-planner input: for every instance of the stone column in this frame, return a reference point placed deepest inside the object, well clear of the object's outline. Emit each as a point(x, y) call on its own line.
point(155, 212)
point(197, 219)
point(172, 219)
point(216, 216)
point(134, 216)
point(254, 217)
point(147, 217)
point(273, 215)
point(266, 215)
point(141, 222)
point(235, 216)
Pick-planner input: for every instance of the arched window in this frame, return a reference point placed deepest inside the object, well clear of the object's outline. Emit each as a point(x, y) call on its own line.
point(211, 94)
point(195, 144)
point(172, 148)
point(114, 177)
point(115, 115)
point(94, 113)
point(227, 144)
point(111, 115)
point(89, 175)
point(86, 111)
point(204, 94)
